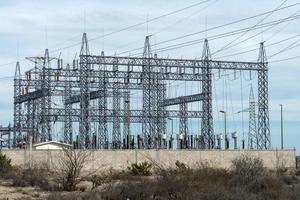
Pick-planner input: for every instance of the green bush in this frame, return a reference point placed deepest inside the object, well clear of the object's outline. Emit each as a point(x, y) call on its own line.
point(5, 166)
point(141, 169)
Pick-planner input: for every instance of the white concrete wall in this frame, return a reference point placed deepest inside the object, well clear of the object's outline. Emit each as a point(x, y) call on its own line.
point(121, 159)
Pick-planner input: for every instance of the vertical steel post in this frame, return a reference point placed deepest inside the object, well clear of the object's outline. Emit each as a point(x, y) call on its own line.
point(264, 141)
point(207, 118)
point(84, 129)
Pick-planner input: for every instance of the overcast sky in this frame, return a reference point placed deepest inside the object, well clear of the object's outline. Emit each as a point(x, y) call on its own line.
point(28, 27)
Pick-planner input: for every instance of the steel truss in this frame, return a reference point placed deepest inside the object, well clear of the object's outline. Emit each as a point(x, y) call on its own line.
point(109, 82)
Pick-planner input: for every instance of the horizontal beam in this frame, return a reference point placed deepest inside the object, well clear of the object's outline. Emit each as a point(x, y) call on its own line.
point(183, 99)
point(93, 95)
point(59, 115)
point(76, 84)
point(183, 64)
point(31, 96)
point(95, 74)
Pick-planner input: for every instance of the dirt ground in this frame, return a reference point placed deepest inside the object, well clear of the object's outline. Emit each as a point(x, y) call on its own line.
point(8, 192)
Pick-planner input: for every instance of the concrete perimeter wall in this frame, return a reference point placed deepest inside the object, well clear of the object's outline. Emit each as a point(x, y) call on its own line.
point(121, 159)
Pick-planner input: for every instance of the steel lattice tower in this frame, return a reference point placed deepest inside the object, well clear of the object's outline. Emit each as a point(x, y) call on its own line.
point(148, 127)
point(252, 135)
point(207, 118)
point(68, 128)
point(102, 103)
point(17, 106)
point(183, 124)
point(46, 99)
point(116, 132)
point(126, 128)
point(84, 129)
point(264, 141)
point(126, 106)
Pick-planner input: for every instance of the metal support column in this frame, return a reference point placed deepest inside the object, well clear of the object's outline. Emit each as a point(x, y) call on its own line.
point(252, 135)
point(17, 107)
point(102, 104)
point(116, 132)
point(84, 130)
point(183, 124)
point(207, 119)
point(264, 141)
point(68, 128)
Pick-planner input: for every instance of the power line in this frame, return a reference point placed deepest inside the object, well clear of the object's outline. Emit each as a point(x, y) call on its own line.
point(195, 13)
point(135, 25)
point(288, 48)
point(280, 21)
point(260, 21)
point(213, 28)
point(171, 25)
point(222, 35)
point(255, 49)
point(120, 30)
point(286, 59)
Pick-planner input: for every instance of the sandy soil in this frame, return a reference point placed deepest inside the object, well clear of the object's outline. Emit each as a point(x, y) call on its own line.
point(8, 192)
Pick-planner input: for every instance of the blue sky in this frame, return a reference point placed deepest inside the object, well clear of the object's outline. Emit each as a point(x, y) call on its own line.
point(28, 27)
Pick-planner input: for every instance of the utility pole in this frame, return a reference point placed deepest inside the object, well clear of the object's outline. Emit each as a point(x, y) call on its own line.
point(281, 123)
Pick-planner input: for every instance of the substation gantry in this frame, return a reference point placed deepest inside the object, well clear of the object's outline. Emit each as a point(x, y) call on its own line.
point(97, 89)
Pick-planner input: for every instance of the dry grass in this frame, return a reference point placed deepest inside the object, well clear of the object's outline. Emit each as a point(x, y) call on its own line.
point(247, 180)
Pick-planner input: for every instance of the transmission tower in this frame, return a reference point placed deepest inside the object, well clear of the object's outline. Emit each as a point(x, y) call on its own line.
point(263, 102)
point(252, 135)
point(102, 103)
point(207, 118)
point(17, 107)
point(84, 134)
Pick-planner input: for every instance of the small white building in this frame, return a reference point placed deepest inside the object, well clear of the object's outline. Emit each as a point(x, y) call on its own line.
point(51, 145)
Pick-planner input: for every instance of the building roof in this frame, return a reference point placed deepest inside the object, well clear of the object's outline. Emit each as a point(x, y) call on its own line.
point(52, 142)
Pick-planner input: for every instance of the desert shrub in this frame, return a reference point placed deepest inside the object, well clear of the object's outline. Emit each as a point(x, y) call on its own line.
point(67, 196)
point(288, 179)
point(203, 182)
point(218, 192)
point(97, 181)
point(297, 173)
point(18, 180)
point(180, 166)
point(31, 177)
point(141, 169)
point(247, 169)
point(70, 167)
point(281, 171)
point(5, 166)
point(55, 196)
point(265, 183)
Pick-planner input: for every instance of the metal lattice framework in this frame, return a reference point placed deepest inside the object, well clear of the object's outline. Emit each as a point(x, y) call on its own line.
point(264, 141)
point(252, 135)
point(98, 89)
